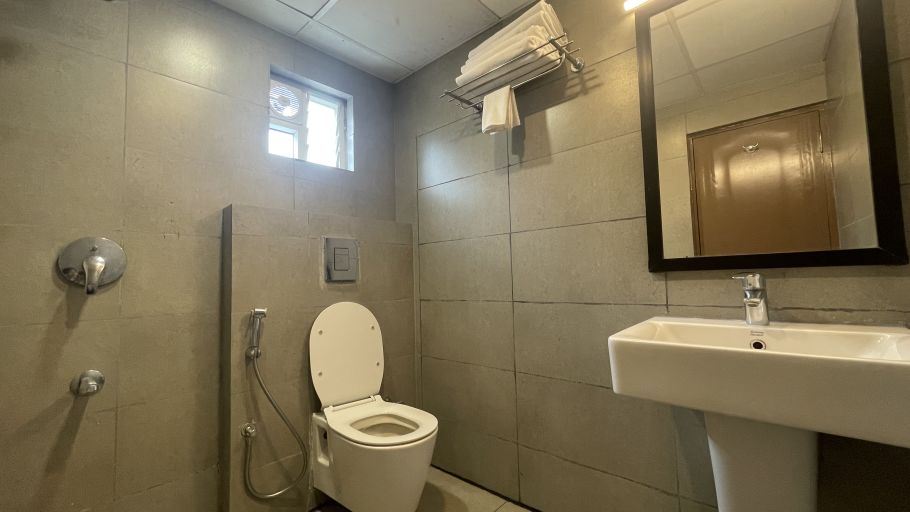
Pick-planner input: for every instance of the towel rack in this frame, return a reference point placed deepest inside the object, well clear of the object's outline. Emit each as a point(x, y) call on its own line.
point(470, 95)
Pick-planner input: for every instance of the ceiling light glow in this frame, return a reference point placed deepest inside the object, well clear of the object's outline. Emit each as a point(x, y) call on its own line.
point(632, 4)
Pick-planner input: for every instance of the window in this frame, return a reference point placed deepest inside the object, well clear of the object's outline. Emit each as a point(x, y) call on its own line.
point(308, 123)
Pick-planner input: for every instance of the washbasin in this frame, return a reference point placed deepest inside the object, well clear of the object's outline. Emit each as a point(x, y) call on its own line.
point(852, 381)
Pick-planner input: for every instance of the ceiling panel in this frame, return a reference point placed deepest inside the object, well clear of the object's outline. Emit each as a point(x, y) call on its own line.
point(668, 58)
point(728, 28)
point(270, 13)
point(308, 7)
point(355, 54)
point(783, 57)
point(410, 32)
point(503, 8)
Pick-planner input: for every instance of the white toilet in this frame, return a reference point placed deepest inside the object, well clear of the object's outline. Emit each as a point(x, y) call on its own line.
point(368, 454)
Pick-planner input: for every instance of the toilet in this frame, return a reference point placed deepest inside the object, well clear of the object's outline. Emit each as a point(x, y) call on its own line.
point(367, 454)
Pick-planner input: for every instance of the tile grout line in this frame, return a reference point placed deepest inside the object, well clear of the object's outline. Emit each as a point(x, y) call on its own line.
point(512, 304)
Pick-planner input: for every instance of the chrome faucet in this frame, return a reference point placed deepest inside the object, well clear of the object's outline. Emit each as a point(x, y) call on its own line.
point(755, 298)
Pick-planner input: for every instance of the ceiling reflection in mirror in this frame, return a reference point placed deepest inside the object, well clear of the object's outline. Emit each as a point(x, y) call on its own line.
point(761, 128)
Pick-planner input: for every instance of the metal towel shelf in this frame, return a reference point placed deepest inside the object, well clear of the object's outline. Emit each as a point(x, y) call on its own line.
point(470, 94)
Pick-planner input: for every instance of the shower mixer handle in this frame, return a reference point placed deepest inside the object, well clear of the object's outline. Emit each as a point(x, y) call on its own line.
point(92, 265)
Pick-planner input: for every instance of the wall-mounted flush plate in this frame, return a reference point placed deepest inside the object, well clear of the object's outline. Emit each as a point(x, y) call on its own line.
point(342, 260)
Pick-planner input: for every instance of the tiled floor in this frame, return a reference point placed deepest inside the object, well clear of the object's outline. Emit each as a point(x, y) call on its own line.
point(445, 493)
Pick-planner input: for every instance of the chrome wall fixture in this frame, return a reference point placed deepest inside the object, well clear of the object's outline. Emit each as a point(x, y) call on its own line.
point(92, 262)
point(248, 430)
point(88, 383)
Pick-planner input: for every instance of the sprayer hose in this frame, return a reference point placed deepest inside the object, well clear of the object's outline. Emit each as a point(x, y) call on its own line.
point(249, 444)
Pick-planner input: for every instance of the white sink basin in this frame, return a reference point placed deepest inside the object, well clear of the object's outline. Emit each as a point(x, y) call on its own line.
point(847, 380)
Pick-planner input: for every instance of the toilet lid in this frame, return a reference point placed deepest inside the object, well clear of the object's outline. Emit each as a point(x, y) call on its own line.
point(345, 354)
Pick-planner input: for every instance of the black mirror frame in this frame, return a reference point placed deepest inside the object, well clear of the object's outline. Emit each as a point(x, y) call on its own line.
point(892, 249)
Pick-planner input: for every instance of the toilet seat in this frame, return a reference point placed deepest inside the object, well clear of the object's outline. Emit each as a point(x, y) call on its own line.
point(346, 361)
point(379, 423)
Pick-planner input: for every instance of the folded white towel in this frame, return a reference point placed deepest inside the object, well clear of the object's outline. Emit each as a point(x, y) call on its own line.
point(521, 68)
point(523, 46)
point(509, 48)
point(541, 13)
point(500, 110)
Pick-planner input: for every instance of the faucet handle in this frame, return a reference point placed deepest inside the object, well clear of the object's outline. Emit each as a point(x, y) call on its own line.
point(751, 280)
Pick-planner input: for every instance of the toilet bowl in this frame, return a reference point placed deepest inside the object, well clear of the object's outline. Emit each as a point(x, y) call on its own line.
point(368, 454)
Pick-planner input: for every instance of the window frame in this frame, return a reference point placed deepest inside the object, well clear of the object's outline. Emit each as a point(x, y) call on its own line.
point(340, 102)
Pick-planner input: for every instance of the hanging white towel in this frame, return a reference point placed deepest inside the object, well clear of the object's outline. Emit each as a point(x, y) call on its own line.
point(500, 110)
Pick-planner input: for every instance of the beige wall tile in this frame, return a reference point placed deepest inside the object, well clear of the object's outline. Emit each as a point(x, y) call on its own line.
point(602, 181)
point(178, 353)
point(399, 383)
point(254, 220)
point(601, 29)
point(387, 271)
point(691, 506)
point(396, 320)
point(40, 361)
point(274, 440)
point(159, 440)
point(693, 460)
point(364, 229)
point(262, 189)
point(483, 459)
point(64, 460)
point(596, 428)
point(569, 341)
point(897, 28)
point(170, 274)
point(900, 98)
point(465, 208)
point(604, 262)
point(862, 288)
point(161, 32)
point(62, 163)
point(198, 491)
point(166, 116)
point(273, 272)
point(284, 344)
point(458, 150)
point(173, 194)
point(41, 296)
point(473, 269)
point(324, 198)
point(597, 104)
point(550, 483)
point(479, 398)
point(90, 26)
point(468, 332)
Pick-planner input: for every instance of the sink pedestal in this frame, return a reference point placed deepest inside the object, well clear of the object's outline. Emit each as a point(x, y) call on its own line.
point(760, 467)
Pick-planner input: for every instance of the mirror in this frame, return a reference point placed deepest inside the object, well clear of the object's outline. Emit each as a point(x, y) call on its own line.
point(768, 136)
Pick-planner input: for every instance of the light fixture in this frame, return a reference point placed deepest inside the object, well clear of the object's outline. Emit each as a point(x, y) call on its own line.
point(632, 4)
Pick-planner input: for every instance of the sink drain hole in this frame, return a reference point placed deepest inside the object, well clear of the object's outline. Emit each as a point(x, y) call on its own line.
point(758, 344)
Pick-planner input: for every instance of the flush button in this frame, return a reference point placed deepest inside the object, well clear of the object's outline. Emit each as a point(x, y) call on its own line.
point(342, 258)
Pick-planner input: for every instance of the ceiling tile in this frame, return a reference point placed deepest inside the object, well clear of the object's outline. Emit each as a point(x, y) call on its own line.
point(343, 48)
point(503, 8)
point(308, 7)
point(270, 13)
point(783, 57)
point(668, 58)
point(732, 27)
point(411, 32)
